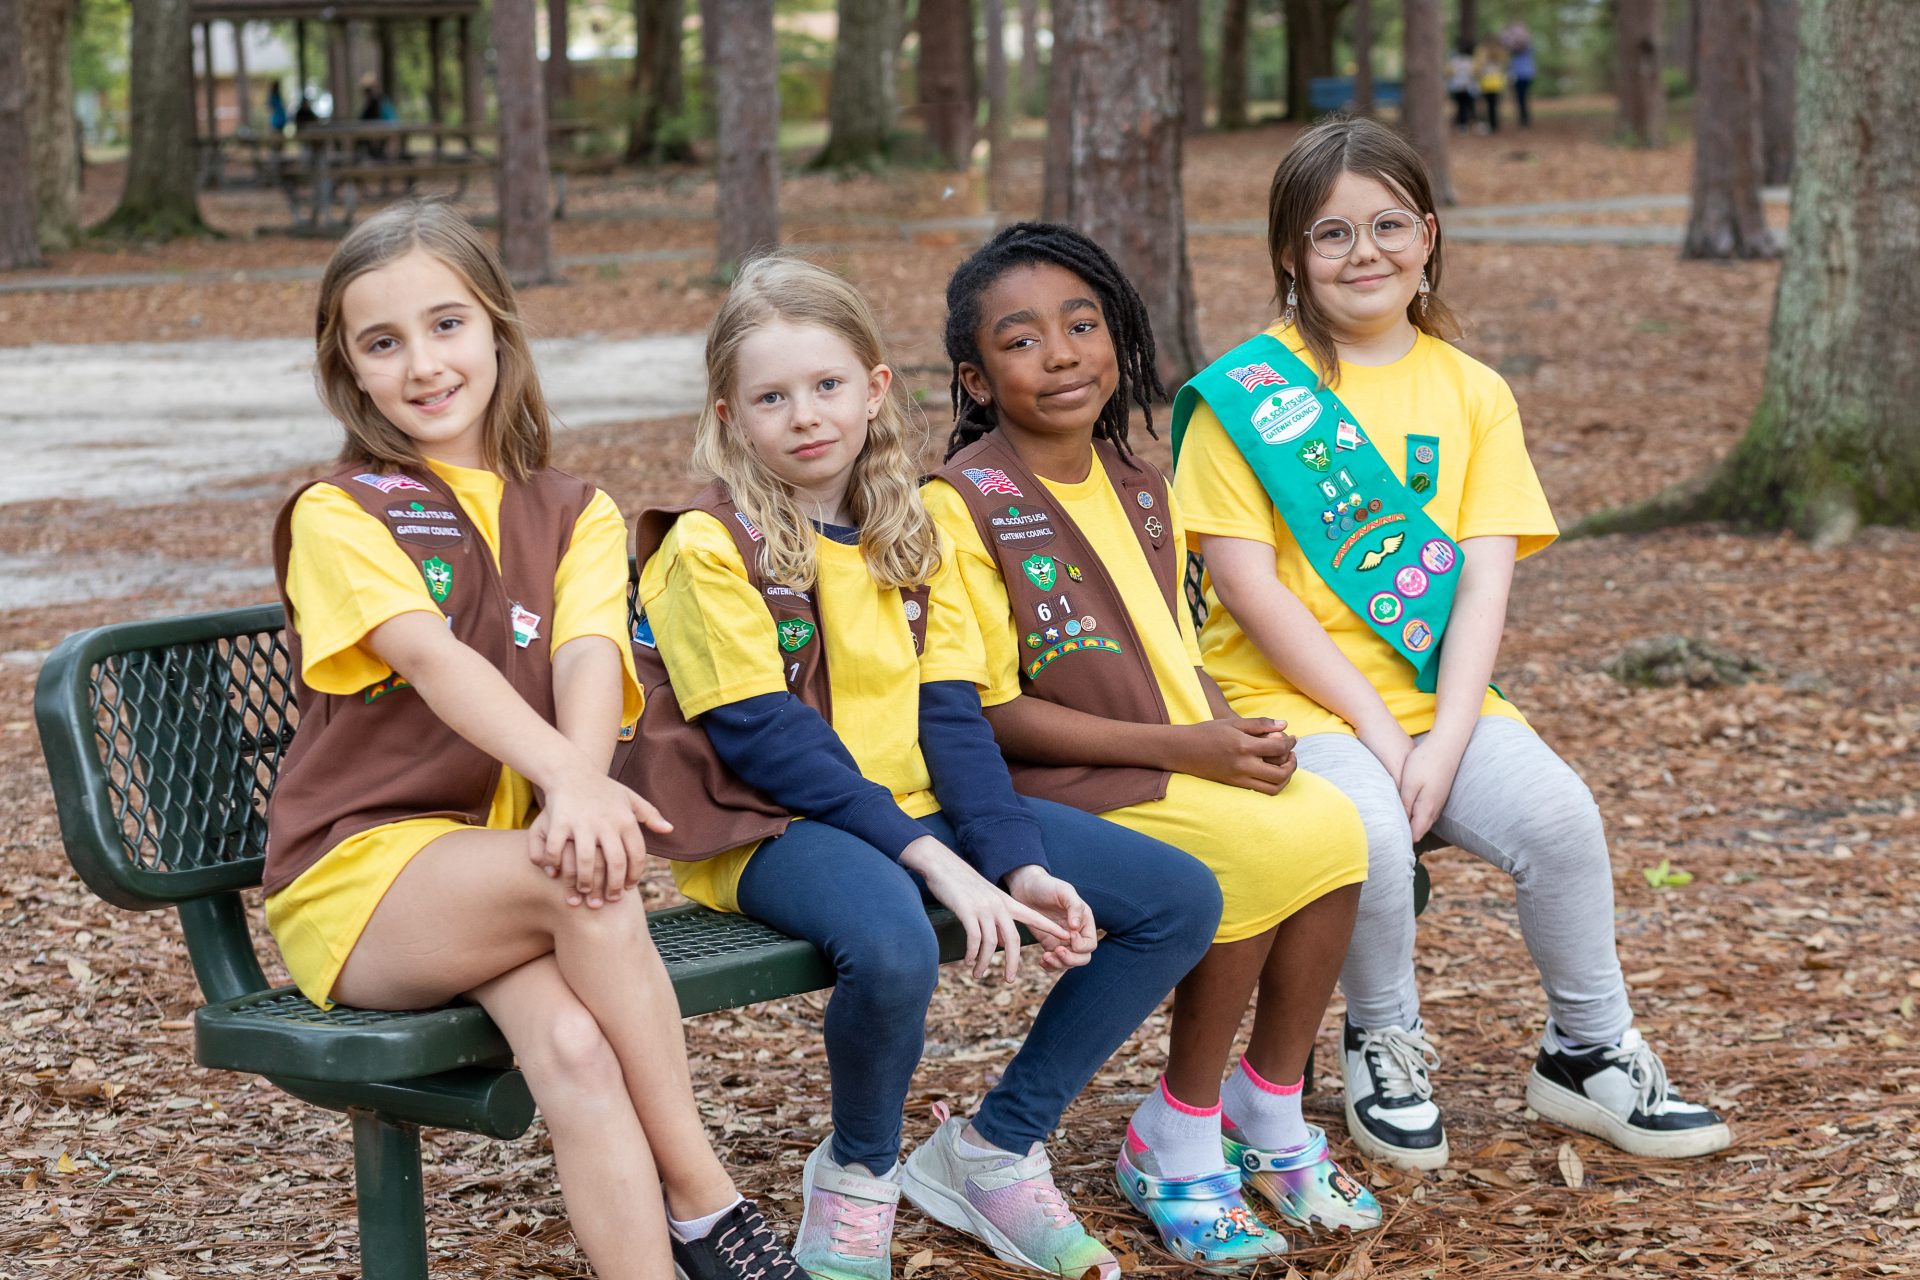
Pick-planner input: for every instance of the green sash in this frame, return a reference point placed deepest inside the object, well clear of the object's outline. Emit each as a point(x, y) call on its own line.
point(1364, 532)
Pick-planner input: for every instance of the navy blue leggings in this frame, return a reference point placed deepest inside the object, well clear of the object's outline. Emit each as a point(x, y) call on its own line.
point(1157, 906)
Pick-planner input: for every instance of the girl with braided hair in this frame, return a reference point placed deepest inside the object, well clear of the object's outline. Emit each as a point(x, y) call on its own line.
point(1072, 554)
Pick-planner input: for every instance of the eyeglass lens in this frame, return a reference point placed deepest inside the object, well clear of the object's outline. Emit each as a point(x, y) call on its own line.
point(1392, 231)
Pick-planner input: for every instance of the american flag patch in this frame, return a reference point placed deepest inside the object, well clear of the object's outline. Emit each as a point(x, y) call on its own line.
point(1255, 376)
point(753, 530)
point(387, 484)
point(992, 480)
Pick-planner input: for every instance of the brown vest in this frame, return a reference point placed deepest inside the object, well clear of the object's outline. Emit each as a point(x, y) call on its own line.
point(1078, 644)
point(672, 762)
point(364, 759)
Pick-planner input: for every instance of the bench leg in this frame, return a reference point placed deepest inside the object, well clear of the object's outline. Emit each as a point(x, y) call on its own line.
point(393, 1217)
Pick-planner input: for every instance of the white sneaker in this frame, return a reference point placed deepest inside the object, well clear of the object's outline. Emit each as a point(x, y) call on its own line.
point(1391, 1114)
point(1619, 1093)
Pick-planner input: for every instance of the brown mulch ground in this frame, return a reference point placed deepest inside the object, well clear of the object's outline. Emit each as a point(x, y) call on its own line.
point(1780, 983)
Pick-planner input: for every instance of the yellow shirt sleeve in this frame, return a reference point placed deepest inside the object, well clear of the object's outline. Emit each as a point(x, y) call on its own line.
point(1183, 612)
point(714, 632)
point(590, 592)
point(1216, 490)
point(984, 593)
point(1502, 494)
point(954, 650)
point(345, 576)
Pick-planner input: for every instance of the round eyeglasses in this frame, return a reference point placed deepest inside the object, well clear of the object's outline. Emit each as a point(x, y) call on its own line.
point(1392, 231)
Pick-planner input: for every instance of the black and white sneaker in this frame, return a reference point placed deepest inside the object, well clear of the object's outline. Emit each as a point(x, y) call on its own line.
point(1620, 1093)
point(741, 1246)
point(1391, 1114)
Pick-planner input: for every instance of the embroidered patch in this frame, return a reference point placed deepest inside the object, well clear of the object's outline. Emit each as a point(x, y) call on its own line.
point(381, 688)
point(1091, 644)
point(1438, 556)
point(1034, 528)
point(439, 576)
point(992, 480)
point(1411, 582)
point(794, 633)
point(1286, 415)
point(391, 484)
point(1378, 556)
point(1362, 532)
point(1314, 454)
point(753, 530)
point(1039, 571)
point(1384, 608)
point(1255, 376)
point(1417, 636)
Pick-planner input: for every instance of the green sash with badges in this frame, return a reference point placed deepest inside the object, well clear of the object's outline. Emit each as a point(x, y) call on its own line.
point(1364, 532)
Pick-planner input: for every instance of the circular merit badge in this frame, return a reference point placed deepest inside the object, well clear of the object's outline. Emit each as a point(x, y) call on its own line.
point(1417, 635)
point(1384, 608)
point(1410, 582)
point(1438, 555)
point(1146, 500)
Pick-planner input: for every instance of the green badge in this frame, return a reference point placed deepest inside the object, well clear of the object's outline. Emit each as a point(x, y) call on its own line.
point(1423, 466)
point(1033, 639)
point(1314, 454)
point(439, 576)
point(1419, 482)
point(794, 633)
point(1039, 571)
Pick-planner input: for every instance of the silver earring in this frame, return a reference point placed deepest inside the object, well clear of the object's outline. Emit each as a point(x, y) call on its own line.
point(1293, 301)
point(1426, 293)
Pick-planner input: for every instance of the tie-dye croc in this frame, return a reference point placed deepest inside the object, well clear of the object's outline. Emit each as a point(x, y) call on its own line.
point(1202, 1219)
point(1304, 1184)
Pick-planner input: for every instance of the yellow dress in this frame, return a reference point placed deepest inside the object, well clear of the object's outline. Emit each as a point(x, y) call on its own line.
point(1483, 486)
point(345, 577)
point(1271, 854)
point(717, 641)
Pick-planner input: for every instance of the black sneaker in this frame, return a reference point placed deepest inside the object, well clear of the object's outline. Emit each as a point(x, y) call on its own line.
point(1620, 1093)
point(1391, 1114)
point(741, 1246)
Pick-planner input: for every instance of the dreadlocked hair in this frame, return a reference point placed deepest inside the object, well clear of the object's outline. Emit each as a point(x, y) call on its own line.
point(1026, 244)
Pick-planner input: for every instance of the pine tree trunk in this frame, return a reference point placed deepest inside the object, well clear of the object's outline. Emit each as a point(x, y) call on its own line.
point(44, 44)
point(1193, 71)
point(1363, 57)
point(742, 58)
point(1309, 51)
point(1779, 43)
point(1469, 22)
point(1835, 442)
point(1423, 94)
point(860, 106)
point(526, 212)
point(1727, 220)
point(559, 71)
point(1639, 87)
point(1123, 186)
point(1233, 65)
point(1029, 92)
point(949, 99)
point(19, 244)
point(158, 202)
point(1060, 78)
point(999, 102)
point(659, 134)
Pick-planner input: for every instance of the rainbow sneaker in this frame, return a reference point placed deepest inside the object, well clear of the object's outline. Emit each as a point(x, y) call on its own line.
point(1304, 1184)
point(1202, 1219)
point(847, 1226)
point(1010, 1204)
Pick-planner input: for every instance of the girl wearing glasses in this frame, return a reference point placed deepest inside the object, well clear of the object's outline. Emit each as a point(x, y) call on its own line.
point(1360, 490)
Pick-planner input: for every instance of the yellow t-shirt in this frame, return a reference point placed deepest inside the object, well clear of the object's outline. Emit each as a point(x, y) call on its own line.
point(1172, 650)
point(1484, 486)
point(345, 576)
point(717, 641)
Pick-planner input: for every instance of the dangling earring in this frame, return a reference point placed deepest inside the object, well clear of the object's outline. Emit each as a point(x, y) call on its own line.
point(1293, 301)
point(1426, 293)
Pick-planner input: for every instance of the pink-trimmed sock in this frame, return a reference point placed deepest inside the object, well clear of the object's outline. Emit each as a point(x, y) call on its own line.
point(1266, 1114)
point(1184, 1139)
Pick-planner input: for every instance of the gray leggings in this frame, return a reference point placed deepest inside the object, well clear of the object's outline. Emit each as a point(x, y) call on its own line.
point(1519, 806)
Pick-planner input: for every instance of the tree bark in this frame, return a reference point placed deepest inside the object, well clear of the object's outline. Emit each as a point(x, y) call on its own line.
point(1193, 71)
point(1232, 113)
point(559, 71)
point(1060, 78)
point(1423, 94)
point(1029, 91)
point(45, 39)
point(1727, 219)
point(860, 104)
point(1639, 87)
point(742, 57)
point(158, 200)
point(526, 210)
point(1310, 26)
point(999, 105)
point(658, 135)
point(1123, 186)
point(1835, 442)
point(1363, 57)
point(1779, 43)
point(19, 244)
point(1469, 22)
point(242, 85)
point(949, 98)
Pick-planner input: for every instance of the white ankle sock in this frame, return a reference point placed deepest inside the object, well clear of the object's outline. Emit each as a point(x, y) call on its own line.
point(699, 1228)
point(1184, 1139)
point(974, 1151)
point(1266, 1114)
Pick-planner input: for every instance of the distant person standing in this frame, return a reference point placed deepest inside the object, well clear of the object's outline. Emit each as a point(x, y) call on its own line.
point(1520, 68)
point(1490, 70)
point(1462, 85)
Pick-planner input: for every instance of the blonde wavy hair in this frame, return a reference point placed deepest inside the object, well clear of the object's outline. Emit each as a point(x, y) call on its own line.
point(897, 536)
point(517, 437)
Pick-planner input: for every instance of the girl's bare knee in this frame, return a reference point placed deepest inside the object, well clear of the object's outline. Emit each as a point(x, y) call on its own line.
point(573, 1052)
point(621, 924)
